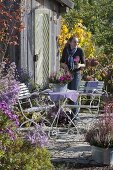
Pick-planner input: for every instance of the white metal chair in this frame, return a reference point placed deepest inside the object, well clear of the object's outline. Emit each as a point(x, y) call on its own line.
point(90, 93)
point(31, 107)
point(87, 107)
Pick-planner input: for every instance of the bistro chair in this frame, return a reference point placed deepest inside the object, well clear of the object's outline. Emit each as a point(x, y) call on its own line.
point(88, 104)
point(33, 109)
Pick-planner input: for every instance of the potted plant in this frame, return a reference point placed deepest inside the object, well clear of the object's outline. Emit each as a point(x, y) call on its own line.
point(60, 80)
point(100, 137)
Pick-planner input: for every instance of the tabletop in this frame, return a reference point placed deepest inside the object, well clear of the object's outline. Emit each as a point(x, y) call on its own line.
point(70, 94)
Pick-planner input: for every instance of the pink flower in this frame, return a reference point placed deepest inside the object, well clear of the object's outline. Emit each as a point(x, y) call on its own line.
point(62, 78)
point(76, 59)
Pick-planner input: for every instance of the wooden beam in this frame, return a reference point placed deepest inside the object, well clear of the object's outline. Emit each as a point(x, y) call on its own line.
point(67, 3)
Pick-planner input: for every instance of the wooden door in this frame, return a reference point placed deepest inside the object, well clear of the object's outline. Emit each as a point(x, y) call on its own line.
point(41, 46)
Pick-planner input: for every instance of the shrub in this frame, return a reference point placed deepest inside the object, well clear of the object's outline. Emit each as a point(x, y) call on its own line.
point(24, 76)
point(20, 154)
point(101, 133)
point(17, 153)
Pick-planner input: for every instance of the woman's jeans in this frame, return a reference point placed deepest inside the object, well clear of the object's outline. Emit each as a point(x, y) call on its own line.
point(74, 85)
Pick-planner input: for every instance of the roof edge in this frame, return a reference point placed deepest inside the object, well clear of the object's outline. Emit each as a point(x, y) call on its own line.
point(67, 3)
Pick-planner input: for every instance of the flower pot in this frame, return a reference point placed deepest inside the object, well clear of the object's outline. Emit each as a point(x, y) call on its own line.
point(59, 88)
point(102, 155)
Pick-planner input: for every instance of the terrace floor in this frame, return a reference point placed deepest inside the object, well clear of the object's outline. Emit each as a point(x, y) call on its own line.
point(72, 152)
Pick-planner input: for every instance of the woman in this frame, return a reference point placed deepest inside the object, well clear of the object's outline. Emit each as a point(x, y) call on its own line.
point(73, 60)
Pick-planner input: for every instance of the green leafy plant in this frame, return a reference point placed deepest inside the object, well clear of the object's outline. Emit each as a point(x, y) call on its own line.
point(20, 154)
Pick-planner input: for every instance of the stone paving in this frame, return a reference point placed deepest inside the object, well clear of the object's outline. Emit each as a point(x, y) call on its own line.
point(69, 149)
point(72, 153)
point(72, 149)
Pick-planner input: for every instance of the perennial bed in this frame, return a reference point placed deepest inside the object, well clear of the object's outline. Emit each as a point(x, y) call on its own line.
point(16, 152)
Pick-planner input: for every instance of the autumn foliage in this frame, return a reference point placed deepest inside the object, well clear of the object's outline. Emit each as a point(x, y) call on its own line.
point(10, 24)
point(84, 36)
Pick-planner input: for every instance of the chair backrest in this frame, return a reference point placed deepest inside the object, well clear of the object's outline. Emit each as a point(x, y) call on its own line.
point(90, 86)
point(24, 91)
point(24, 100)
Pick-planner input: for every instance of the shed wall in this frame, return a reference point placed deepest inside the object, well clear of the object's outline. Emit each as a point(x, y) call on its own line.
point(28, 35)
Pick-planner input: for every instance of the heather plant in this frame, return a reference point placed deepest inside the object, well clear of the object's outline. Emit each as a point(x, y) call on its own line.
point(101, 133)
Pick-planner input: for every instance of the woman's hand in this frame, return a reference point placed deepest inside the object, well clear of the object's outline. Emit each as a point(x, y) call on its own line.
point(79, 66)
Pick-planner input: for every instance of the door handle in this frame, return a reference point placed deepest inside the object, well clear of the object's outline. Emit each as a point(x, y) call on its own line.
point(36, 56)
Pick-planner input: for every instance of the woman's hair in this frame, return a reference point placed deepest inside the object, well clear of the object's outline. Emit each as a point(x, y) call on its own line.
point(73, 37)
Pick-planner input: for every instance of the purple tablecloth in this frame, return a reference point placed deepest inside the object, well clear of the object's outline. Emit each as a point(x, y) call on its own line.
point(70, 94)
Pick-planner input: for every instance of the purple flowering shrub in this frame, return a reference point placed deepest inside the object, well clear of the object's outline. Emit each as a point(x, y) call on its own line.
point(8, 96)
point(23, 76)
point(60, 77)
point(37, 137)
point(101, 133)
point(15, 152)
